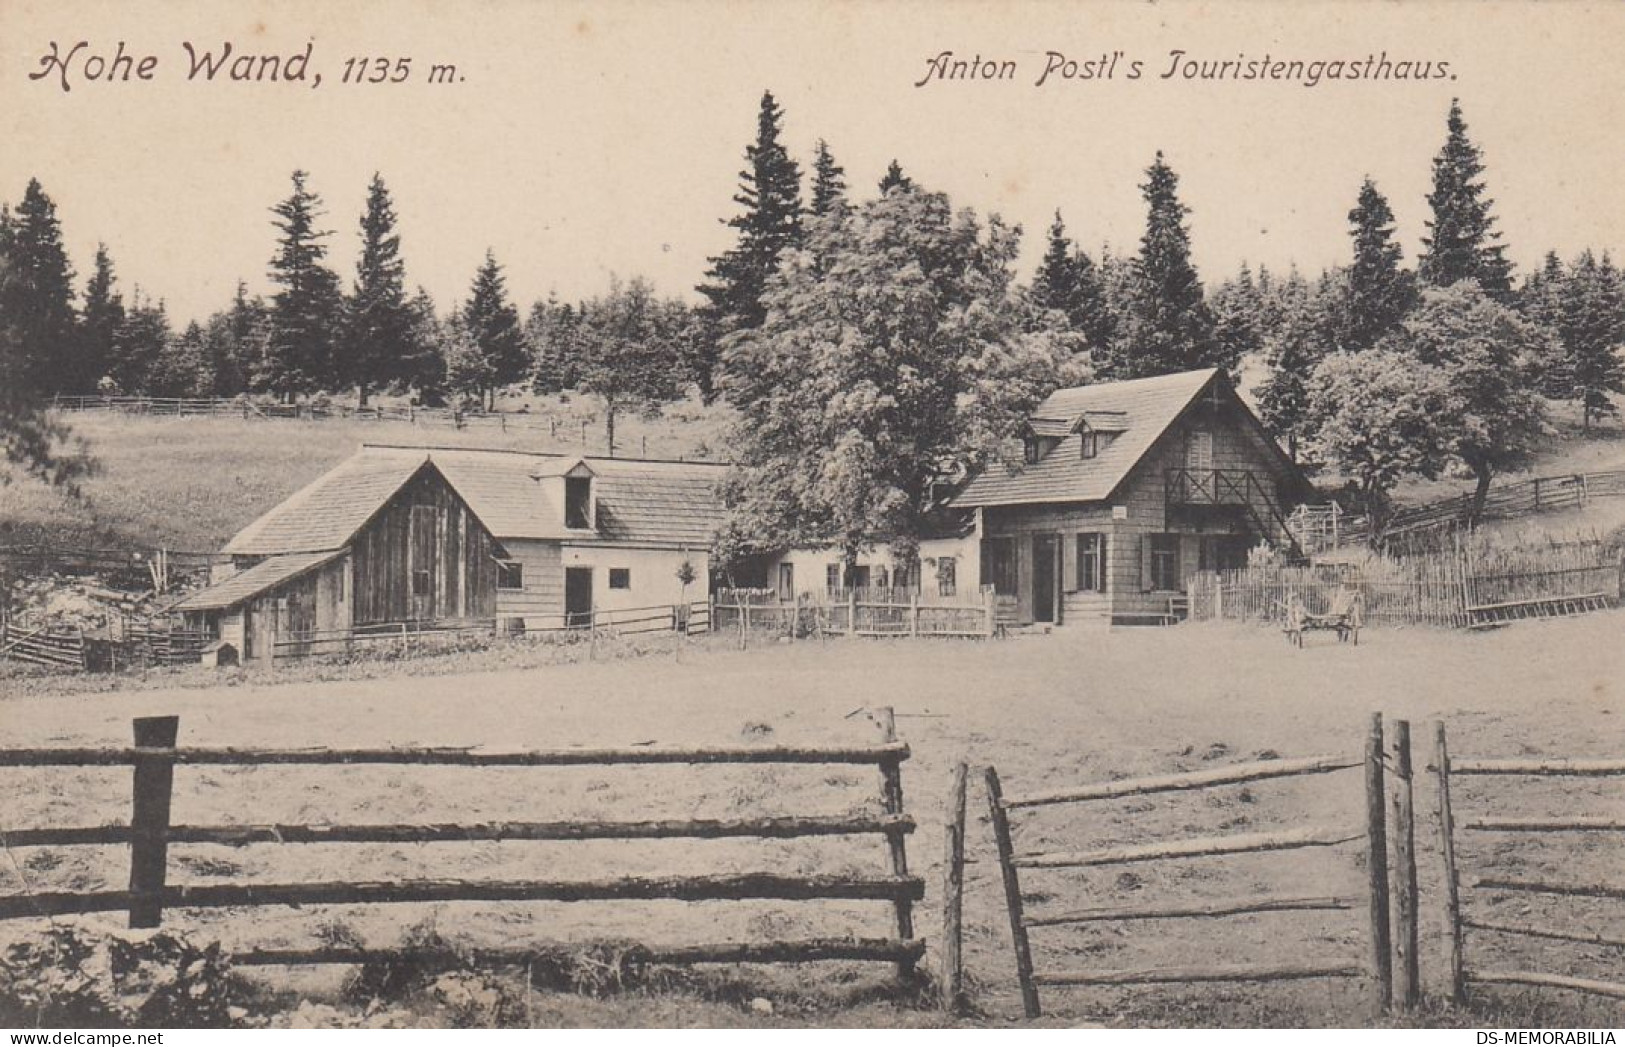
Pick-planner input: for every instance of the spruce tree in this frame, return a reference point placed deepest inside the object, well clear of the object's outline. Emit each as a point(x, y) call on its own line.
point(491, 324)
point(829, 181)
point(1592, 329)
point(37, 301)
point(139, 350)
point(101, 318)
point(1067, 282)
point(1378, 292)
point(1169, 327)
point(896, 179)
point(308, 305)
point(379, 350)
point(1541, 301)
point(768, 223)
point(1462, 243)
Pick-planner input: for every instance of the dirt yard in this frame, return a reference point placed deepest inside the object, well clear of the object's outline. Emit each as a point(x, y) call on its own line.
point(1075, 706)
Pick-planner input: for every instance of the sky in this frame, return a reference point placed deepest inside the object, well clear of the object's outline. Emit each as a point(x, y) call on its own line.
point(581, 140)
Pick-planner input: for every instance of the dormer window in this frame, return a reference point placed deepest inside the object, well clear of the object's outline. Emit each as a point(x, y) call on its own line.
point(578, 503)
point(1091, 443)
point(1030, 450)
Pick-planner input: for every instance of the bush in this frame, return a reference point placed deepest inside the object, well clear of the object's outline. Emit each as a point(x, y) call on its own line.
point(75, 976)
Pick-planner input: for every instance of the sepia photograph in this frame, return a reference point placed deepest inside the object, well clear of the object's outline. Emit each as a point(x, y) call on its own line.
point(864, 514)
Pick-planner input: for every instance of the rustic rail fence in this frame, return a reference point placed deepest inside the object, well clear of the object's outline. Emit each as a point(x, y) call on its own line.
point(1468, 587)
point(1461, 922)
point(1321, 529)
point(1373, 833)
point(852, 612)
point(566, 430)
point(135, 643)
point(155, 758)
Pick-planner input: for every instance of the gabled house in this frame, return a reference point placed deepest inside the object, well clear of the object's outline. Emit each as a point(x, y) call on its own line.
point(584, 535)
point(1125, 491)
point(415, 534)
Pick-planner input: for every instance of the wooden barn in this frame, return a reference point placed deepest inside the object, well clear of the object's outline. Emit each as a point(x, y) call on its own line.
point(377, 540)
point(1127, 489)
point(454, 536)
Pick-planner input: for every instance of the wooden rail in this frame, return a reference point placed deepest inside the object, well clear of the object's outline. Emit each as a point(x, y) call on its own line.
point(156, 756)
point(1459, 921)
point(1012, 864)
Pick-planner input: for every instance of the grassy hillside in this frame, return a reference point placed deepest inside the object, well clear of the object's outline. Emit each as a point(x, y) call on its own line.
point(189, 484)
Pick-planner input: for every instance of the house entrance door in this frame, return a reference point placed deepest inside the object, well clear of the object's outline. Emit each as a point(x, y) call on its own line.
point(1045, 551)
point(577, 596)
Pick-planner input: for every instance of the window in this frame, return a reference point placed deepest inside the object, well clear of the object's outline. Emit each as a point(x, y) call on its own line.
point(1199, 449)
point(902, 578)
point(420, 583)
point(832, 579)
point(879, 577)
point(1164, 562)
point(510, 575)
point(1091, 443)
point(1092, 563)
point(578, 502)
point(620, 578)
point(1029, 451)
point(999, 565)
point(947, 572)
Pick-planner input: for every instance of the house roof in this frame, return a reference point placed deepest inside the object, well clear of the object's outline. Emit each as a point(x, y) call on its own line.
point(265, 575)
point(1139, 411)
point(648, 502)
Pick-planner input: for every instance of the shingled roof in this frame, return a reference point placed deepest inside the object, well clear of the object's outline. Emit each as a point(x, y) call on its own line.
point(245, 585)
point(639, 502)
point(1139, 411)
point(327, 512)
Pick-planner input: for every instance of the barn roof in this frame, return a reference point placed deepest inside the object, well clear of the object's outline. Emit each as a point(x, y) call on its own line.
point(327, 512)
point(1139, 411)
point(641, 502)
point(263, 576)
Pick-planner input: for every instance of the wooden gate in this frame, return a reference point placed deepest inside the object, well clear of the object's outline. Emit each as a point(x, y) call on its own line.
point(1373, 833)
point(1482, 920)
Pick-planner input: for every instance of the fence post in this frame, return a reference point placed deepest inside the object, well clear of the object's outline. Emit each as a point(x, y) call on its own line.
point(953, 893)
point(1405, 866)
point(891, 775)
point(852, 612)
point(1012, 894)
point(149, 817)
point(989, 612)
point(914, 614)
point(1376, 802)
point(1452, 885)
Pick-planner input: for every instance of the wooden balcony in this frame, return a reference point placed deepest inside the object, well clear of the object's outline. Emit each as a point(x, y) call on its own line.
point(1215, 487)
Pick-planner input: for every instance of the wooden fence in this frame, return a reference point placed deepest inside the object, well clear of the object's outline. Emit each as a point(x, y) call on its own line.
point(425, 636)
point(1322, 529)
point(850, 613)
point(155, 758)
point(136, 643)
point(1373, 833)
point(1459, 921)
point(1474, 585)
point(567, 431)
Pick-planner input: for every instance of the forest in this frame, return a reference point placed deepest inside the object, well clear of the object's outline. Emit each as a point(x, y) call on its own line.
point(873, 342)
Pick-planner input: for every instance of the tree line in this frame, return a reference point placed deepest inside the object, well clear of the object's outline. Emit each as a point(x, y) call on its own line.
point(878, 346)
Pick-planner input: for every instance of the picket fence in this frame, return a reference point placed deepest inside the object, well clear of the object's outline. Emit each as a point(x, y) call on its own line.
point(1469, 586)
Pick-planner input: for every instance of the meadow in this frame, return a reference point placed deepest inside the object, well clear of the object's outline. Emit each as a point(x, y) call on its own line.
point(1075, 706)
